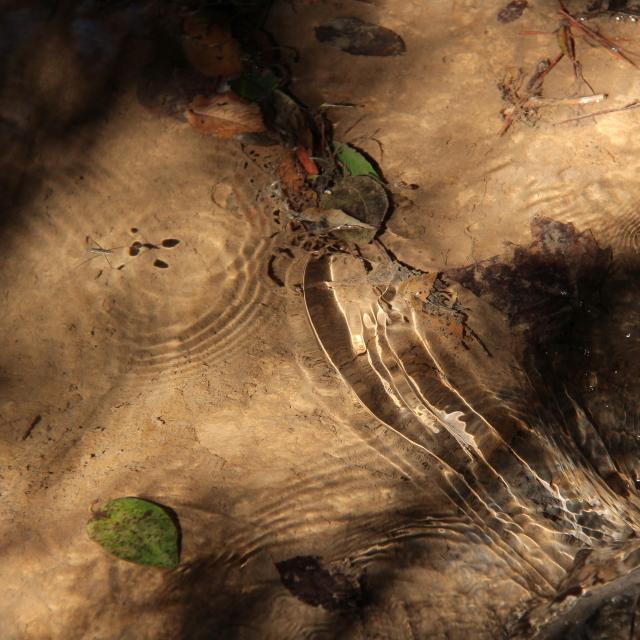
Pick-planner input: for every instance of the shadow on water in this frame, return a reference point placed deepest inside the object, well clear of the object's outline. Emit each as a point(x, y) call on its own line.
point(61, 68)
point(528, 360)
point(575, 305)
point(64, 63)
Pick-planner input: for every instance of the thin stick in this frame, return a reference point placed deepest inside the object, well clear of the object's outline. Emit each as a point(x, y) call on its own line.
point(539, 101)
point(537, 79)
point(632, 105)
point(354, 125)
point(609, 45)
point(341, 105)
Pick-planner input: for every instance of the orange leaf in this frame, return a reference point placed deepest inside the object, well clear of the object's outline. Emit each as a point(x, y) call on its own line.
point(224, 116)
point(306, 161)
point(293, 182)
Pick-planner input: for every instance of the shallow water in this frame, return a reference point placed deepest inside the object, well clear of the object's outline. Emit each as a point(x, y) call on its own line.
point(443, 445)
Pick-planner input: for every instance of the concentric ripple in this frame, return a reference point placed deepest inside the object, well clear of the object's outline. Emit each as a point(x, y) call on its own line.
point(198, 308)
point(206, 307)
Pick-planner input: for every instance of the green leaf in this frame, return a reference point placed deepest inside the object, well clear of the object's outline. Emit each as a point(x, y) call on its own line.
point(353, 161)
point(138, 531)
point(253, 86)
point(360, 197)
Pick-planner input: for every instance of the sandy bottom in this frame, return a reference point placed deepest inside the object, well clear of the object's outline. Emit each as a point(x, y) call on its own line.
point(408, 467)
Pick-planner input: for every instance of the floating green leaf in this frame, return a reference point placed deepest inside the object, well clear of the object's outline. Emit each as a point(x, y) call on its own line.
point(353, 161)
point(254, 86)
point(138, 531)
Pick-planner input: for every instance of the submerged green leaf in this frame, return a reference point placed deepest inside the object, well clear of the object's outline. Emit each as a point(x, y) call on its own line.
point(361, 197)
point(254, 86)
point(354, 162)
point(136, 530)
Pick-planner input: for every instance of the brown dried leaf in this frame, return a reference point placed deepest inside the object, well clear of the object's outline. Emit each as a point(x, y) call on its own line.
point(417, 289)
point(210, 48)
point(294, 185)
point(340, 224)
point(287, 118)
point(224, 116)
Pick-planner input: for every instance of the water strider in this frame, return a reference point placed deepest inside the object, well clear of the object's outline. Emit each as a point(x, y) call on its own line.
point(135, 249)
point(96, 249)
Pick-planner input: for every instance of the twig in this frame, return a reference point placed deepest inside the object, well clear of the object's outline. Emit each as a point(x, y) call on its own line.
point(521, 105)
point(32, 426)
point(345, 105)
point(539, 101)
point(567, 44)
point(632, 105)
point(609, 45)
point(534, 85)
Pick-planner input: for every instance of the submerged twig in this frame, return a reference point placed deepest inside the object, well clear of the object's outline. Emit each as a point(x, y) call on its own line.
point(539, 101)
point(567, 45)
point(633, 105)
point(596, 37)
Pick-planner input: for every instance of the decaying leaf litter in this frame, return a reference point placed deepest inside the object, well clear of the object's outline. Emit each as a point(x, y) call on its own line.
point(251, 104)
point(523, 94)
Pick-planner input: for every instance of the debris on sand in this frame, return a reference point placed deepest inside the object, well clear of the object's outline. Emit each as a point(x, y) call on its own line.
point(512, 11)
point(360, 38)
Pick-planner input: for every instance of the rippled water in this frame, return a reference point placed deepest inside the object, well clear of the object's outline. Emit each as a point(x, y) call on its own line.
point(434, 436)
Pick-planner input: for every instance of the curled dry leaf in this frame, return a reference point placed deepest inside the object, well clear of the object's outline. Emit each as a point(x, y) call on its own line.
point(340, 224)
point(224, 116)
point(288, 119)
point(210, 48)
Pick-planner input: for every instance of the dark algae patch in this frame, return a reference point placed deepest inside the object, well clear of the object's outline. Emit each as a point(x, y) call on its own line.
point(512, 11)
point(360, 38)
point(543, 286)
point(308, 580)
point(138, 531)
